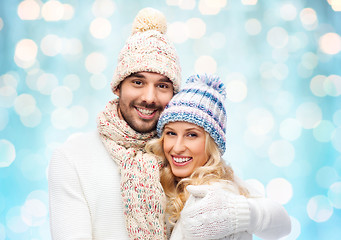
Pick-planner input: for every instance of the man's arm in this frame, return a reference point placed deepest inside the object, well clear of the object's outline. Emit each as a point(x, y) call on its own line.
point(69, 212)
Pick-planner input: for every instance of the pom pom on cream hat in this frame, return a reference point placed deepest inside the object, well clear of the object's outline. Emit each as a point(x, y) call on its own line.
point(148, 50)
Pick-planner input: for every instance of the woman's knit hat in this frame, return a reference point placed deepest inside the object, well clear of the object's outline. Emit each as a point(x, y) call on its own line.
point(148, 50)
point(201, 102)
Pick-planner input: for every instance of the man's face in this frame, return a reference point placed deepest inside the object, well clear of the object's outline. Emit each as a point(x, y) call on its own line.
point(142, 98)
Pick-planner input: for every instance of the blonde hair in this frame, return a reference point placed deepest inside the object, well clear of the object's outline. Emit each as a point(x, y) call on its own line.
point(215, 170)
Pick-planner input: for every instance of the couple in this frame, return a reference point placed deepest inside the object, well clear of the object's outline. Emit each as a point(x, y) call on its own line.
point(109, 185)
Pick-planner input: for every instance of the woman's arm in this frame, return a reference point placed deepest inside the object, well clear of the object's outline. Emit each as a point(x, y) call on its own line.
point(217, 213)
point(268, 219)
point(69, 212)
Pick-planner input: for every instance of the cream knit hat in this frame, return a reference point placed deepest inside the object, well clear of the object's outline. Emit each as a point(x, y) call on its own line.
point(148, 50)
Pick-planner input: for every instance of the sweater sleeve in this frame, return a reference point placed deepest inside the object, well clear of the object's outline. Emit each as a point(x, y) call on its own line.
point(69, 212)
point(268, 219)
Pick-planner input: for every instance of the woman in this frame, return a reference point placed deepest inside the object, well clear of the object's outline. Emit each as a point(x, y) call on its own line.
point(205, 199)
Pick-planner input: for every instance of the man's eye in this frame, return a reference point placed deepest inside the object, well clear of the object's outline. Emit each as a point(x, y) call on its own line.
point(137, 82)
point(163, 86)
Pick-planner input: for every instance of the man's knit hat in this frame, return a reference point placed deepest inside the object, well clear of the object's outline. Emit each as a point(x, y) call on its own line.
point(148, 50)
point(201, 102)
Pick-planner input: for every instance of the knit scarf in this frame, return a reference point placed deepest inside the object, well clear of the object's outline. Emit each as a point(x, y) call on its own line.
point(142, 194)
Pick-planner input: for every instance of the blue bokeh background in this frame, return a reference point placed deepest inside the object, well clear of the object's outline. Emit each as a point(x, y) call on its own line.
point(280, 62)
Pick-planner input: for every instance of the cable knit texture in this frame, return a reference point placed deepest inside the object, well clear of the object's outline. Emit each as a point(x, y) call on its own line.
point(213, 213)
point(142, 194)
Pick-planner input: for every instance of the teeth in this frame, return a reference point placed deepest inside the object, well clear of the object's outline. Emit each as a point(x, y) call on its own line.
point(181, 160)
point(145, 111)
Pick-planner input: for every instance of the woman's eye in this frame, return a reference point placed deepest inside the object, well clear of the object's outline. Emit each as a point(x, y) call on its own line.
point(170, 133)
point(192, 135)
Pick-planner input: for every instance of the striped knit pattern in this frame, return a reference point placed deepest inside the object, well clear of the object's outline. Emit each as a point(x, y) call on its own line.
point(201, 102)
point(142, 194)
point(148, 50)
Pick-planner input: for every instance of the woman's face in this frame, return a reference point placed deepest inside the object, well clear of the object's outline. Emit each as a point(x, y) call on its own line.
point(184, 147)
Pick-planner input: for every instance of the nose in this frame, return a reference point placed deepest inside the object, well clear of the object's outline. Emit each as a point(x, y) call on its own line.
point(179, 145)
point(149, 94)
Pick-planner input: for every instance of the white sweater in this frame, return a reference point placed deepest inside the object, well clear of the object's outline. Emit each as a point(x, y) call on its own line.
point(84, 189)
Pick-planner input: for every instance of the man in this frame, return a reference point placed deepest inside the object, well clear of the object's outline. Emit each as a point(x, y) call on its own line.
point(102, 185)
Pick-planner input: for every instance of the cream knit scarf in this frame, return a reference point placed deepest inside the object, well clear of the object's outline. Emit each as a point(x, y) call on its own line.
point(142, 194)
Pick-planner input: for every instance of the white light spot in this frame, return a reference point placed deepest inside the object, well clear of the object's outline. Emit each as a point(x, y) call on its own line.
point(1, 24)
point(330, 43)
point(95, 63)
point(31, 166)
point(61, 96)
point(336, 139)
point(290, 129)
point(217, 40)
point(236, 91)
point(281, 153)
point(178, 32)
point(34, 212)
point(71, 46)
point(253, 26)
point(288, 12)
point(249, 2)
point(309, 60)
point(100, 28)
point(334, 194)
point(46, 83)
point(309, 115)
point(7, 155)
point(196, 28)
point(277, 37)
point(29, 10)
point(205, 64)
point(316, 85)
point(323, 132)
point(25, 53)
point(187, 4)
point(280, 54)
point(52, 10)
point(3, 119)
point(25, 104)
point(309, 18)
point(8, 95)
point(61, 118)
point(33, 119)
point(326, 176)
point(319, 208)
point(51, 45)
point(260, 121)
point(103, 8)
point(211, 7)
point(98, 81)
point(280, 190)
point(72, 81)
point(14, 221)
point(332, 85)
point(80, 116)
point(337, 118)
point(68, 12)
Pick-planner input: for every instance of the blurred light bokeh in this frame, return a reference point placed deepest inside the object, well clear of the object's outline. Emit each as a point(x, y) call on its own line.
point(280, 61)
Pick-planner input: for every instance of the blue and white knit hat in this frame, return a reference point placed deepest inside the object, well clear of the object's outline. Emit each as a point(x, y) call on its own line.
point(201, 102)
